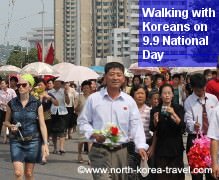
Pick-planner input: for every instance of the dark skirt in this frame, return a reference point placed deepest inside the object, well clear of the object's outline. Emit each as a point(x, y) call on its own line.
point(58, 125)
point(27, 151)
point(71, 118)
point(170, 162)
point(48, 126)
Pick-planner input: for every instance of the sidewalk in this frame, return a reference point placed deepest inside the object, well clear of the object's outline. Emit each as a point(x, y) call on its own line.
point(58, 168)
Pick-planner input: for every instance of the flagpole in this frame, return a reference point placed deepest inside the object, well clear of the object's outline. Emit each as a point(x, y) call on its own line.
point(43, 41)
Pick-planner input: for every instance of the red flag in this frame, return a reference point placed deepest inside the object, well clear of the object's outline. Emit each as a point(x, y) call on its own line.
point(50, 55)
point(39, 52)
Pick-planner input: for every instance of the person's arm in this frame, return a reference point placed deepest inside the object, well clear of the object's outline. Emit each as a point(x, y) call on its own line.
point(85, 119)
point(191, 125)
point(177, 117)
point(66, 96)
point(76, 99)
point(213, 134)
point(43, 130)
point(154, 119)
point(137, 132)
point(151, 149)
point(7, 122)
point(214, 153)
point(52, 99)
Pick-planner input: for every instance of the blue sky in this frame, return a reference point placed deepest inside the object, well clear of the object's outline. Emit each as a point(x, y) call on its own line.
point(23, 17)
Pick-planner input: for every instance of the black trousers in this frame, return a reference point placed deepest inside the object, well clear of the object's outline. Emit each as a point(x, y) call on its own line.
point(2, 119)
point(189, 144)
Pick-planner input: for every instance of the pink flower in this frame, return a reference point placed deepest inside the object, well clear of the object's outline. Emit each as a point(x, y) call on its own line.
point(199, 153)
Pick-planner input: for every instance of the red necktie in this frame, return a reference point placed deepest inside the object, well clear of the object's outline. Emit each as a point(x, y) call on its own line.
point(204, 120)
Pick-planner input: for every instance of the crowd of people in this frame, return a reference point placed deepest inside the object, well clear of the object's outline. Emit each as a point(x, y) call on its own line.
point(152, 112)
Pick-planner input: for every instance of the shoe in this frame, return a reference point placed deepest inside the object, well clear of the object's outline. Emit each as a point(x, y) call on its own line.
point(80, 159)
point(55, 152)
point(62, 152)
point(43, 162)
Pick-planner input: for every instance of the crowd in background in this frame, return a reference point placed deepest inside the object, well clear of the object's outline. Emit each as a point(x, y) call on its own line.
point(169, 105)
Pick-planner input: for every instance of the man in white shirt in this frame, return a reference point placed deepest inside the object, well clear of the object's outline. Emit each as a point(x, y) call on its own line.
point(198, 107)
point(213, 133)
point(111, 105)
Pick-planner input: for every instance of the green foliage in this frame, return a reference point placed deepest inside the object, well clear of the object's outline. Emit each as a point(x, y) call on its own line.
point(19, 58)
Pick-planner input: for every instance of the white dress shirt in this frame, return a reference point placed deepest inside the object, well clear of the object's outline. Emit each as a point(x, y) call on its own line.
point(213, 129)
point(193, 110)
point(100, 109)
point(60, 96)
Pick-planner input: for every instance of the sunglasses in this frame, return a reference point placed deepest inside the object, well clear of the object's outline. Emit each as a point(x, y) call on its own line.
point(23, 85)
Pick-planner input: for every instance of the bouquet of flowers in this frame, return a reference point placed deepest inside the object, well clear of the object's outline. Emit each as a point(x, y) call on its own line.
point(37, 92)
point(199, 154)
point(111, 132)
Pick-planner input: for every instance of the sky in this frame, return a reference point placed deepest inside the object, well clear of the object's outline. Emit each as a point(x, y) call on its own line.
point(23, 17)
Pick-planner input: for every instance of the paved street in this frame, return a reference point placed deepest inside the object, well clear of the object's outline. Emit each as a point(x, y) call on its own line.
point(59, 167)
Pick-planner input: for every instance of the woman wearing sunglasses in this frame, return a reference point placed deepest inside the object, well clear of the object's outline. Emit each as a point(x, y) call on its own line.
point(28, 134)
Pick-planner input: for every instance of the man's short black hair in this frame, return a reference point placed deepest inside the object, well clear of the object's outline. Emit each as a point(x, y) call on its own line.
point(86, 83)
point(198, 81)
point(153, 92)
point(5, 80)
point(206, 72)
point(214, 72)
point(176, 76)
point(158, 76)
point(40, 80)
point(112, 65)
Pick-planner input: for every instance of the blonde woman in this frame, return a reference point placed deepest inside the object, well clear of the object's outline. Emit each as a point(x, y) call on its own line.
point(28, 133)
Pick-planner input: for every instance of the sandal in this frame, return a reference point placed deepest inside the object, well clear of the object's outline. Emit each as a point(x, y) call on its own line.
point(80, 159)
point(55, 152)
point(43, 162)
point(62, 152)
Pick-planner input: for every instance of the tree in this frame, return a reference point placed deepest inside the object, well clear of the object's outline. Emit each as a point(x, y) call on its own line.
point(19, 58)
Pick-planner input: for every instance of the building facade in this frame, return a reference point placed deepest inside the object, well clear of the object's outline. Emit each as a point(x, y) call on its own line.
point(35, 36)
point(108, 14)
point(119, 42)
point(73, 31)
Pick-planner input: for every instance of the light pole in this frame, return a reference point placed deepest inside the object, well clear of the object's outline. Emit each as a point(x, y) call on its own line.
point(43, 41)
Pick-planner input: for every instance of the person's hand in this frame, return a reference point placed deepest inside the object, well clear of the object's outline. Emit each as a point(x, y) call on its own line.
point(45, 150)
point(197, 126)
point(99, 137)
point(143, 154)
point(13, 128)
point(170, 110)
point(156, 118)
point(150, 151)
point(183, 87)
point(47, 97)
point(215, 171)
